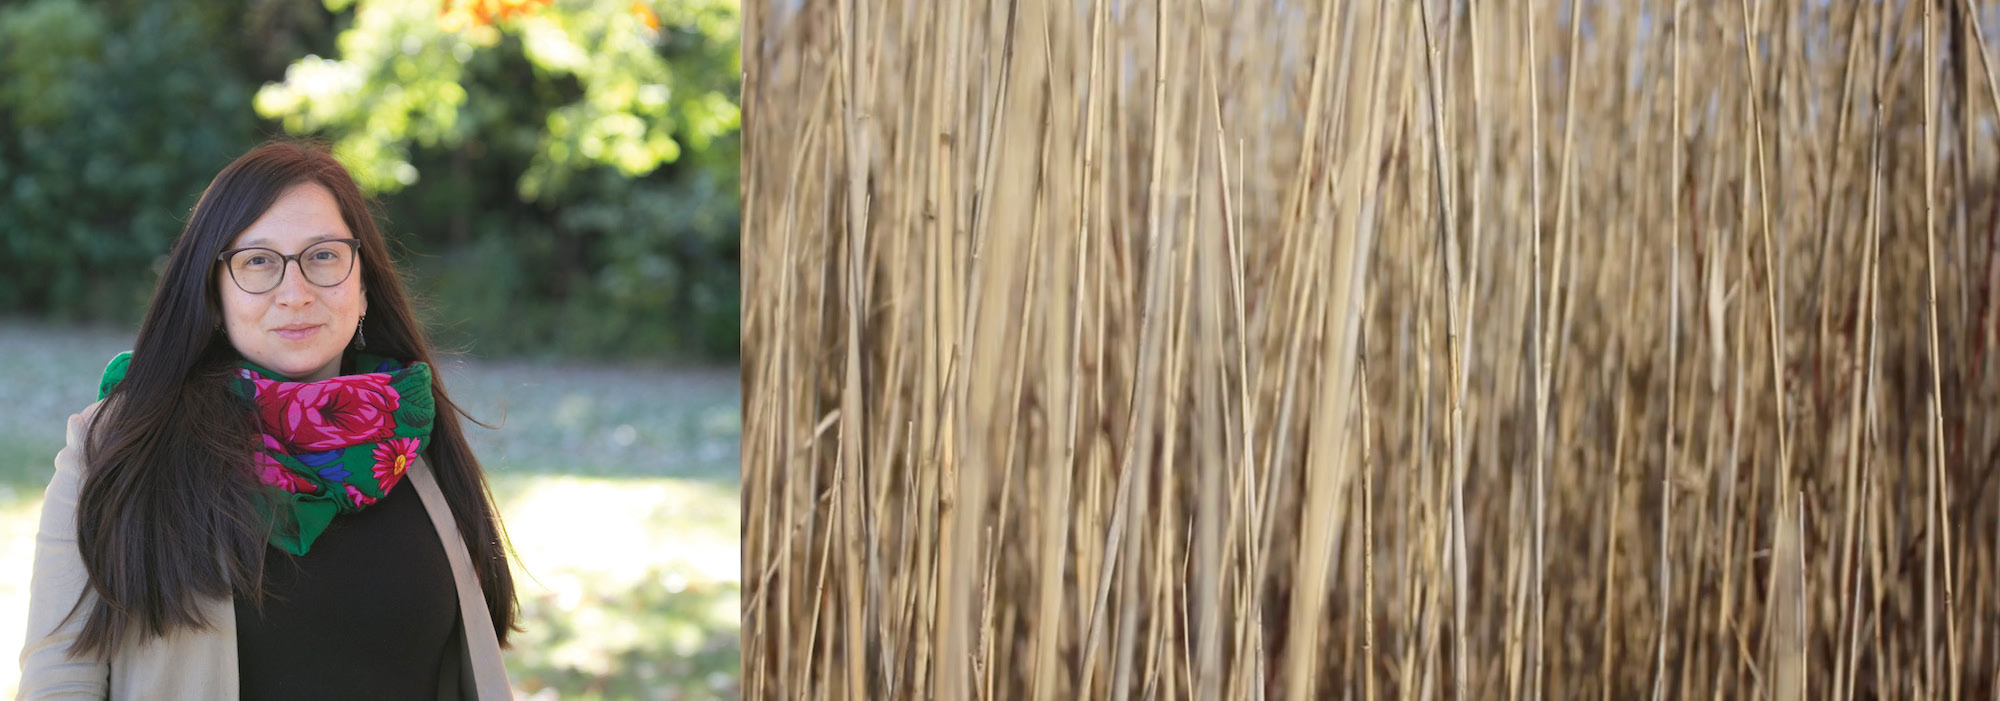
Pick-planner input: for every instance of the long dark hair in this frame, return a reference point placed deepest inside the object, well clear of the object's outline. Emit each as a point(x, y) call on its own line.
point(167, 514)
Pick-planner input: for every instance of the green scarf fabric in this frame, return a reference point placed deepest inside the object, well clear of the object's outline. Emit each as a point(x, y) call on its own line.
point(330, 447)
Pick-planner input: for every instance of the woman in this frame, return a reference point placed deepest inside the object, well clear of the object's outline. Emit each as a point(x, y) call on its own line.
point(273, 497)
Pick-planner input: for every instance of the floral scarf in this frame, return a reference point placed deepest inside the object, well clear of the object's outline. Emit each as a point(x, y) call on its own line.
point(330, 447)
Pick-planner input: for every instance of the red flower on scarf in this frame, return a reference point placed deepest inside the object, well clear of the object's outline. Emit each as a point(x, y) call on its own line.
point(273, 474)
point(330, 414)
point(359, 499)
point(392, 459)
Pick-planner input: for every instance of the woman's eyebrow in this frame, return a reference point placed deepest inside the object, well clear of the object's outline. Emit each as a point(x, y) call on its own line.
point(266, 242)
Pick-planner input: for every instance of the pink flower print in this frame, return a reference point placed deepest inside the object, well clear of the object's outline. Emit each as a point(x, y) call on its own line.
point(392, 459)
point(357, 498)
point(330, 414)
point(274, 474)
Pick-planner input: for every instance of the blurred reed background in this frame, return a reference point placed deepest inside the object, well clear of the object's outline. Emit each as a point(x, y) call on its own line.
point(1371, 349)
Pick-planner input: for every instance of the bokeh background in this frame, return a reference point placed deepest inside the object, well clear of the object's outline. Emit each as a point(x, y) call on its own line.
point(559, 179)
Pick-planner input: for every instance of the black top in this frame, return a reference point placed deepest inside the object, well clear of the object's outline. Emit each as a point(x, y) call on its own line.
point(370, 612)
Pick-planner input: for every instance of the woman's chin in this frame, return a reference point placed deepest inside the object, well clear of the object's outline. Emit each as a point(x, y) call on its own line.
point(303, 370)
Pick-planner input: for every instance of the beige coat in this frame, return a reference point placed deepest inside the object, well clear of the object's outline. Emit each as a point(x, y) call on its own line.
point(200, 664)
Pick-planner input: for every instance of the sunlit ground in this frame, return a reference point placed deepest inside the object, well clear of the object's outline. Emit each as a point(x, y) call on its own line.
point(630, 587)
point(619, 487)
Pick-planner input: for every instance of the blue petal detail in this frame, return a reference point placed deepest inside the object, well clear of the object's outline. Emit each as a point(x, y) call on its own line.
point(335, 473)
point(318, 459)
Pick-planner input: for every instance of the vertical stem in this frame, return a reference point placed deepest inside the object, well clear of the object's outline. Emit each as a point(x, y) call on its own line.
point(1673, 357)
point(1938, 508)
point(1447, 249)
point(855, 295)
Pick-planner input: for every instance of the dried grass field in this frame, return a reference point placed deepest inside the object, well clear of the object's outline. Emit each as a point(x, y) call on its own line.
point(1371, 349)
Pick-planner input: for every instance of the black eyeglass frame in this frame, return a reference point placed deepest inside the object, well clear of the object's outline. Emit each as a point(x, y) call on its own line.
point(286, 261)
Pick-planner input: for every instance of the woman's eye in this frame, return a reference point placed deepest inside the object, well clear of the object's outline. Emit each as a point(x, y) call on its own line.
point(324, 254)
point(257, 259)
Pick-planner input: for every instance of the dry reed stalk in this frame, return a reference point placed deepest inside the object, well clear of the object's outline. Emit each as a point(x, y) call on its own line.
point(1056, 316)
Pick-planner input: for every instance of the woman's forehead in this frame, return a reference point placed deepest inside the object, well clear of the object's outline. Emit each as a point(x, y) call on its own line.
point(304, 215)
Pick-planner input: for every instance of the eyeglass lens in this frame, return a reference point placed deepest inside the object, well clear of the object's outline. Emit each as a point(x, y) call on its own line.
point(259, 270)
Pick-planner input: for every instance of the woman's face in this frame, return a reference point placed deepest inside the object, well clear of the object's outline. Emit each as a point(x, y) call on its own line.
point(297, 328)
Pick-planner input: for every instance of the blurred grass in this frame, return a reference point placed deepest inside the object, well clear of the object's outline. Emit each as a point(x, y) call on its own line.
point(628, 587)
point(619, 486)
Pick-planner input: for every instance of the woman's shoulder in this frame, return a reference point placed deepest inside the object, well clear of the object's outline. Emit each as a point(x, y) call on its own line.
point(78, 432)
point(79, 427)
point(83, 417)
point(80, 422)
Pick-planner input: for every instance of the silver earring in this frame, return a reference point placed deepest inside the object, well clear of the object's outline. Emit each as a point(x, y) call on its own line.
point(360, 340)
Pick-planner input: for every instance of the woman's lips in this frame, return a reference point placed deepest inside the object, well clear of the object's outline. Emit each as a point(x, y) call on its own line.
point(297, 333)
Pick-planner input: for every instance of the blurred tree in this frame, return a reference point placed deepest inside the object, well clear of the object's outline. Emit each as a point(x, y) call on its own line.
point(583, 160)
point(112, 116)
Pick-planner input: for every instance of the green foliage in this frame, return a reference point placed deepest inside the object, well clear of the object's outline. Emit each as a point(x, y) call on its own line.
point(92, 196)
point(661, 274)
point(44, 39)
point(615, 226)
point(640, 92)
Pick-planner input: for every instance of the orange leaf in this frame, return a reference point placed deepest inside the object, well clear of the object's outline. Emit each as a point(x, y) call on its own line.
point(645, 14)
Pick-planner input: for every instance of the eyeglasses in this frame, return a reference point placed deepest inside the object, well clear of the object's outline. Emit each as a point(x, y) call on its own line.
point(260, 270)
